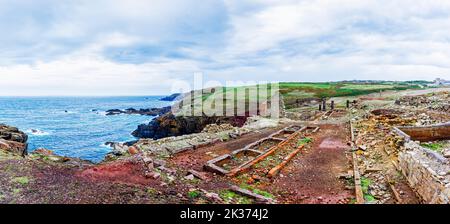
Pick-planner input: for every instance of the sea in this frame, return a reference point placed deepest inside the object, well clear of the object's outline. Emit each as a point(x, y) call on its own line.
point(75, 126)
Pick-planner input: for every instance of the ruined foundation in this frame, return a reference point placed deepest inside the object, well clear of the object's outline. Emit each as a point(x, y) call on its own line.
point(242, 159)
point(427, 133)
point(426, 171)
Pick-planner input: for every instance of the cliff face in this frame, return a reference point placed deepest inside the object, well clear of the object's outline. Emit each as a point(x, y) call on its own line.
point(13, 140)
point(169, 125)
point(172, 97)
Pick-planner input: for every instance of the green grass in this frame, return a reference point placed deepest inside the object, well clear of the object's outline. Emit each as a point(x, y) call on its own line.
point(366, 87)
point(263, 193)
point(21, 180)
point(257, 191)
point(298, 90)
point(226, 97)
point(231, 196)
point(291, 91)
point(365, 183)
point(268, 161)
point(369, 198)
point(16, 191)
point(304, 141)
point(435, 146)
point(193, 194)
point(151, 191)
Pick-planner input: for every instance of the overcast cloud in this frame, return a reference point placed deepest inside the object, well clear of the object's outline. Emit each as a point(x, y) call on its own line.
point(137, 47)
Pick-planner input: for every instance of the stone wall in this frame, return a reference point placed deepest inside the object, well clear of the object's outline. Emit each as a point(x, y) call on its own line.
point(428, 133)
point(427, 172)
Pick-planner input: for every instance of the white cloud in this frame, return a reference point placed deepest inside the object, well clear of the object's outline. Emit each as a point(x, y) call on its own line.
point(87, 73)
point(141, 47)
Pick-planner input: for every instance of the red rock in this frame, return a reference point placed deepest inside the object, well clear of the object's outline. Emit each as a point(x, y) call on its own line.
point(132, 150)
point(256, 177)
point(153, 175)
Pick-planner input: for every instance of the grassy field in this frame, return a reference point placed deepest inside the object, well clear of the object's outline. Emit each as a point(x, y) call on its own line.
point(292, 91)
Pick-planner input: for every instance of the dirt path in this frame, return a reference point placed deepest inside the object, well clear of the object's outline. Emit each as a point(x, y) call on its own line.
point(312, 176)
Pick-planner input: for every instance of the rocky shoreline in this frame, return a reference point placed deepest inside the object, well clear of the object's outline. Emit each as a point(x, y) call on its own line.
point(13, 140)
point(211, 134)
point(147, 112)
point(168, 125)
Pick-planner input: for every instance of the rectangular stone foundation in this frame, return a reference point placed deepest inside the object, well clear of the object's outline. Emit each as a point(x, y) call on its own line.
point(427, 133)
point(426, 171)
point(252, 151)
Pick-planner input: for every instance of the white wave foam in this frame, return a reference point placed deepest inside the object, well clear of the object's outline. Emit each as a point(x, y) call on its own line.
point(36, 132)
point(70, 112)
point(102, 113)
point(104, 145)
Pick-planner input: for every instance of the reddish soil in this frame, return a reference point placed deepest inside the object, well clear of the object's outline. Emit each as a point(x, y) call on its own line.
point(128, 171)
point(56, 183)
point(312, 176)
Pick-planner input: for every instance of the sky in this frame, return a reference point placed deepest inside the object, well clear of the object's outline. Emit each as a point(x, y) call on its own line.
point(143, 47)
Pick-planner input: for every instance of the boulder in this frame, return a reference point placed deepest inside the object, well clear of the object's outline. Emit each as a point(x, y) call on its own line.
point(12, 134)
point(132, 150)
point(446, 153)
point(14, 147)
point(13, 140)
point(119, 149)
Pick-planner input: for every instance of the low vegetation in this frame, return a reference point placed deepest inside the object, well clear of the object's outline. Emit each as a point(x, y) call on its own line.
point(304, 141)
point(257, 191)
point(193, 194)
point(365, 183)
point(232, 197)
point(291, 91)
point(435, 146)
point(21, 180)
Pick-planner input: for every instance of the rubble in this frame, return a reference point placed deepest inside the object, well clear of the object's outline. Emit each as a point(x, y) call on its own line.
point(215, 128)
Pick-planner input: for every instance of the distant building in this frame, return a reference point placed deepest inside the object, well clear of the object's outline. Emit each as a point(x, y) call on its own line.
point(441, 82)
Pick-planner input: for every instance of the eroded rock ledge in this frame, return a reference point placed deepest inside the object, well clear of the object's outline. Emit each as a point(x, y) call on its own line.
point(168, 125)
point(13, 140)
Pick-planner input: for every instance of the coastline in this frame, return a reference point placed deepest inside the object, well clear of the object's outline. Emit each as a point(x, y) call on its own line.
point(177, 169)
point(81, 131)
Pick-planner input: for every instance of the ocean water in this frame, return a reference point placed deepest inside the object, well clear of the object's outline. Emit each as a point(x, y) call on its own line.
point(75, 126)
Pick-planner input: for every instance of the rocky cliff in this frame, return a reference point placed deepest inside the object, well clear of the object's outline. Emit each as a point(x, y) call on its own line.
point(13, 140)
point(172, 97)
point(169, 125)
